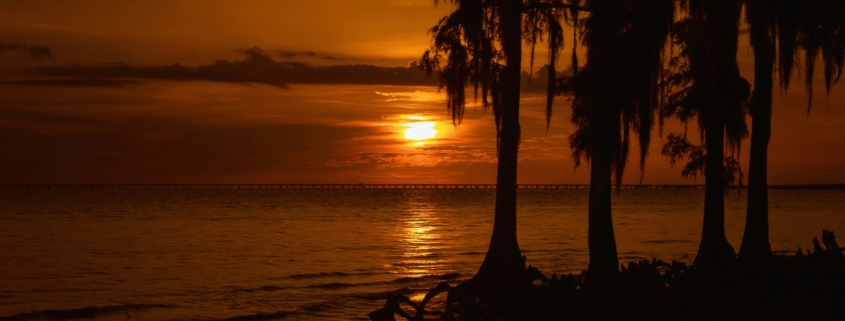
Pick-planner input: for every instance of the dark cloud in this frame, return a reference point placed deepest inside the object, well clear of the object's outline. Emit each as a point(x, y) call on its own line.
point(74, 82)
point(257, 67)
point(294, 54)
point(319, 58)
point(32, 52)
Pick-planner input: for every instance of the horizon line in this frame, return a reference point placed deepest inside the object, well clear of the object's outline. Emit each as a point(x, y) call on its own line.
point(394, 186)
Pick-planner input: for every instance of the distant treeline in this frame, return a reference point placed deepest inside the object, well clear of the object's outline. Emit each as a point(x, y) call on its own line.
point(807, 186)
point(799, 186)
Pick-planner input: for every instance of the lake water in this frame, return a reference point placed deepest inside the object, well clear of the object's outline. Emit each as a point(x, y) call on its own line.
point(326, 254)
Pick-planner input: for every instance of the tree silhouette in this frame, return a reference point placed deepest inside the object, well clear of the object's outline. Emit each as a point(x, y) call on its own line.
point(480, 43)
point(615, 94)
point(626, 41)
point(708, 87)
point(780, 29)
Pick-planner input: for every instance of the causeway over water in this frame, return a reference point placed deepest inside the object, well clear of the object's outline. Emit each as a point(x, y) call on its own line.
point(382, 186)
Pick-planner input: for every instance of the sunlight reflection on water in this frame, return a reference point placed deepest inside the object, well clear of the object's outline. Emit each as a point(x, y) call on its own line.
point(422, 238)
point(328, 254)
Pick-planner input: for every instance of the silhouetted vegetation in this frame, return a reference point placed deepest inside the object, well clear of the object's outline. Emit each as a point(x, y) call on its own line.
point(625, 42)
point(706, 86)
point(480, 44)
point(779, 30)
point(624, 84)
point(807, 286)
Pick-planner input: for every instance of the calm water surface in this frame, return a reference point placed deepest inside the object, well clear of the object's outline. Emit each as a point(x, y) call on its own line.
point(326, 254)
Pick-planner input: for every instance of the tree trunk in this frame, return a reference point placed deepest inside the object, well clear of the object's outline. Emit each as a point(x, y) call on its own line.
point(503, 264)
point(604, 134)
point(714, 252)
point(604, 263)
point(755, 239)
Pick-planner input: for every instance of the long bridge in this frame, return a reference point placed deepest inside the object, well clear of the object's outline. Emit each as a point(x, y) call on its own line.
point(328, 186)
point(377, 186)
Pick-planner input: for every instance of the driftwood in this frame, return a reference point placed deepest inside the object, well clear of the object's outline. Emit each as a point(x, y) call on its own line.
point(805, 286)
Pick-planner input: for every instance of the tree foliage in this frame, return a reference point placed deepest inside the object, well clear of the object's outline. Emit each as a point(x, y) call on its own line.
point(617, 92)
point(687, 95)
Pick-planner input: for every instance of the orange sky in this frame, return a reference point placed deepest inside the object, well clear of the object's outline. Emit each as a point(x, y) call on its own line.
point(105, 109)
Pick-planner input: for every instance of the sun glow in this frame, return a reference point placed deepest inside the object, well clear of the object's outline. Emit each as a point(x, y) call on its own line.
point(420, 130)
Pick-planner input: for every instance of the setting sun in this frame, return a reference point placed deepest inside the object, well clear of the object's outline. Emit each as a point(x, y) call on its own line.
point(335, 160)
point(420, 130)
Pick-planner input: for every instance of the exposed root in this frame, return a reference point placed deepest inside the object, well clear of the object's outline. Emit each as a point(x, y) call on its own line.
point(392, 308)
